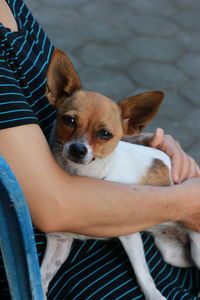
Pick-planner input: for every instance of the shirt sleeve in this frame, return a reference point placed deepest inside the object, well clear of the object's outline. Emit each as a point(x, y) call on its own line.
point(15, 109)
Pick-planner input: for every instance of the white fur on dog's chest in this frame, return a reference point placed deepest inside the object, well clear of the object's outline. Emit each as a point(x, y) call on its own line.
point(127, 164)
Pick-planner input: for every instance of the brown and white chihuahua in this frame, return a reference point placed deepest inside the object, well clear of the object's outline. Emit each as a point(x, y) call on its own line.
point(86, 140)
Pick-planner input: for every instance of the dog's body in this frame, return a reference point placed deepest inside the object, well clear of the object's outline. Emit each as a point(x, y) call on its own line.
point(87, 144)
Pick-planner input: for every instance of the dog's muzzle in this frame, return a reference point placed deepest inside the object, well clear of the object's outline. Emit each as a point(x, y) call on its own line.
point(78, 152)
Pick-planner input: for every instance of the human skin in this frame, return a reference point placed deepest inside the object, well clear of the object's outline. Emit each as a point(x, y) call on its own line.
point(96, 207)
point(183, 166)
point(62, 202)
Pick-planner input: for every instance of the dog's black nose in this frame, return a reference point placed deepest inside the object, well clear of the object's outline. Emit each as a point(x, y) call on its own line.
point(78, 150)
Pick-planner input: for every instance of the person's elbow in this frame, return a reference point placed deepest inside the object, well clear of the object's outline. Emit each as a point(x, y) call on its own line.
point(48, 218)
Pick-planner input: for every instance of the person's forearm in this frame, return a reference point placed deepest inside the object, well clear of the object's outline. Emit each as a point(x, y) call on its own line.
point(112, 209)
point(60, 202)
point(99, 208)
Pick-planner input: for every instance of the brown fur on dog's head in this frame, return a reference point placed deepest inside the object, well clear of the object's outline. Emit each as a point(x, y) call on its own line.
point(62, 79)
point(91, 117)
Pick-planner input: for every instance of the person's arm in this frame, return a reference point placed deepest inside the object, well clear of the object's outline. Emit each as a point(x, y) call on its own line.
point(61, 202)
point(183, 166)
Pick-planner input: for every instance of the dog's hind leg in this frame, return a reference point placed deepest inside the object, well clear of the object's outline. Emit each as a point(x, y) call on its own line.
point(134, 249)
point(195, 247)
point(173, 241)
point(57, 251)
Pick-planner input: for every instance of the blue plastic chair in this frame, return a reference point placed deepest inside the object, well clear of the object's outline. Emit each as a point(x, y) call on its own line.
point(17, 239)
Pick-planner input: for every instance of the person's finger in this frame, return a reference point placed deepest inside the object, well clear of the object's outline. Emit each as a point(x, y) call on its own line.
point(198, 170)
point(194, 170)
point(177, 159)
point(187, 169)
point(157, 138)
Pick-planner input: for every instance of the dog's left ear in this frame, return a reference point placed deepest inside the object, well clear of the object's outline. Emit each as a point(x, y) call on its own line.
point(62, 79)
point(139, 110)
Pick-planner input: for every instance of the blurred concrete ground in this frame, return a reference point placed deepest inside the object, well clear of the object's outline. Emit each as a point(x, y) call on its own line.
point(122, 47)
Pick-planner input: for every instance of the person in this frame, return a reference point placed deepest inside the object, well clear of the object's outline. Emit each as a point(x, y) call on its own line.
point(60, 202)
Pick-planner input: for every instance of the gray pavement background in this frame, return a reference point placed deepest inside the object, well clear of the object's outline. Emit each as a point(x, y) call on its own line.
point(122, 47)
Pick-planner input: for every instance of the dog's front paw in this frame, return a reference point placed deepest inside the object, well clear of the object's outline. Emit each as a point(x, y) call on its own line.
point(44, 296)
point(45, 283)
point(45, 290)
point(155, 295)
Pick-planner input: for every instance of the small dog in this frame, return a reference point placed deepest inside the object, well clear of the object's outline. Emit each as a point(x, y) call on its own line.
point(86, 141)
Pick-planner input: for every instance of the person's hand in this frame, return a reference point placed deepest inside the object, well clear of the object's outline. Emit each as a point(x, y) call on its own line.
point(183, 166)
point(191, 204)
point(192, 222)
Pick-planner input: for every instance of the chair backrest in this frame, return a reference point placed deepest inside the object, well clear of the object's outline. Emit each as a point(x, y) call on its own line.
point(17, 241)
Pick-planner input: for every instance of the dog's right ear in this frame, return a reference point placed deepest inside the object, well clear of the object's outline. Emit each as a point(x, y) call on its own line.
point(138, 111)
point(62, 79)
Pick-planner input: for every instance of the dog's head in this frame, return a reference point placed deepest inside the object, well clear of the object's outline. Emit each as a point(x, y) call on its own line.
point(90, 125)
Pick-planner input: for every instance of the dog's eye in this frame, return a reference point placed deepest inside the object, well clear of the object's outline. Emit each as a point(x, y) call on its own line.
point(69, 121)
point(104, 134)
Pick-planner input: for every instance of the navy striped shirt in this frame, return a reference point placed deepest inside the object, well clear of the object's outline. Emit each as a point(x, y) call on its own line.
point(24, 58)
point(94, 269)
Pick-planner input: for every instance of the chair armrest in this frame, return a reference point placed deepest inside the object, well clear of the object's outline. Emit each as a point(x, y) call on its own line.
point(17, 241)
